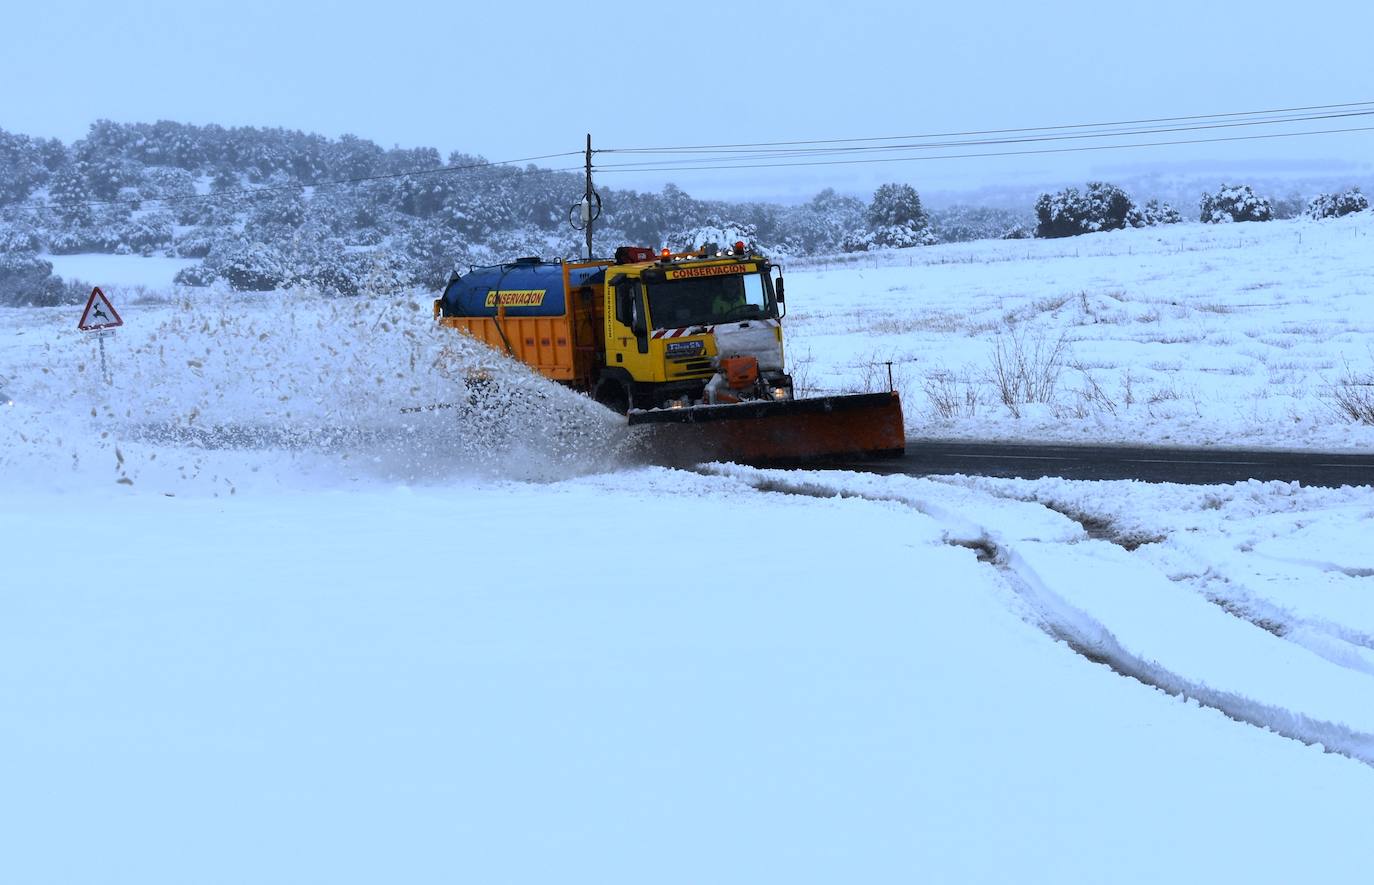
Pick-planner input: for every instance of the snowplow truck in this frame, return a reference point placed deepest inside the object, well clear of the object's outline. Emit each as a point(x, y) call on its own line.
point(691, 342)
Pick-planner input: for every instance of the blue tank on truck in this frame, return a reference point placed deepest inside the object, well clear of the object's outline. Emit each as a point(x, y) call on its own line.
point(526, 287)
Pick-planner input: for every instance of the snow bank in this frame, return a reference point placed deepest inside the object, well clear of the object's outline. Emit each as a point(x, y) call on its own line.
point(366, 385)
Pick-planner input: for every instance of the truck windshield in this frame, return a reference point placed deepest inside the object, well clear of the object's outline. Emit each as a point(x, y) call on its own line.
point(704, 301)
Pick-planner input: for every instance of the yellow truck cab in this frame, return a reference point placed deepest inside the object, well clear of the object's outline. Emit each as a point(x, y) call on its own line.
point(669, 321)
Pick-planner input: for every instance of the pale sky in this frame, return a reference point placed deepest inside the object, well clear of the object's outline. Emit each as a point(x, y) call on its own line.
point(521, 79)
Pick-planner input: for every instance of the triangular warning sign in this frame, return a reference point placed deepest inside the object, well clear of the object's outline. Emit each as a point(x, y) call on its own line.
point(99, 313)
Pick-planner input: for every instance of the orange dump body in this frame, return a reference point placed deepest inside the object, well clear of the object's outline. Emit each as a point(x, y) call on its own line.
point(544, 343)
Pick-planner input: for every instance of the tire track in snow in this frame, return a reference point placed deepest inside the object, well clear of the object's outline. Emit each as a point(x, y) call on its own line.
point(1057, 614)
point(1093, 640)
point(1339, 643)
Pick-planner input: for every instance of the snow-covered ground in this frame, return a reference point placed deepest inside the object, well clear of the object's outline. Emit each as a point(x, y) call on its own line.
point(1238, 334)
point(259, 624)
point(118, 273)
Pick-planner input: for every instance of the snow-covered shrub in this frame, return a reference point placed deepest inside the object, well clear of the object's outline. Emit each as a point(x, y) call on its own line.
point(1026, 368)
point(891, 236)
point(70, 241)
point(1234, 203)
point(857, 241)
point(16, 236)
point(198, 241)
point(336, 273)
point(1352, 398)
point(1336, 205)
point(254, 267)
point(723, 234)
point(1069, 213)
point(1155, 212)
point(26, 279)
point(167, 183)
point(1063, 214)
point(23, 277)
point(195, 275)
point(152, 229)
point(902, 236)
point(1108, 206)
point(275, 209)
point(373, 272)
point(960, 224)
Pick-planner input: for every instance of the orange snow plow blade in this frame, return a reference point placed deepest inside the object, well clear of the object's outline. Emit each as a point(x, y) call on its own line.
point(788, 432)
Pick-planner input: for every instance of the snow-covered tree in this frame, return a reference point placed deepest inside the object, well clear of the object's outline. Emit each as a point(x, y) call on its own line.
point(821, 223)
point(70, 196)
point(22, 167)
point(896, 220)
point(896, 205)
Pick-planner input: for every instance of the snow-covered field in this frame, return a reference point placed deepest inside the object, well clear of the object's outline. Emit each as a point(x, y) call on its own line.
point(258, 624)
point(1238, 334)
point(120, 272)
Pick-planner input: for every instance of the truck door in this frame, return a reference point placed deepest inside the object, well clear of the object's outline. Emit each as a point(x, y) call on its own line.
point(627, 328)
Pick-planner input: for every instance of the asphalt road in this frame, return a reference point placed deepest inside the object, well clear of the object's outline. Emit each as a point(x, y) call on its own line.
point(1197, 466)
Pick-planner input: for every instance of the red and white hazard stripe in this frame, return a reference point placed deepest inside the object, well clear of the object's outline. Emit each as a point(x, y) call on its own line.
point(702, 330)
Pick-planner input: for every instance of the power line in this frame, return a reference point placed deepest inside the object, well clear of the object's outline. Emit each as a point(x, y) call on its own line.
point(1066, 150)
point(776, 144)
point(766, 154)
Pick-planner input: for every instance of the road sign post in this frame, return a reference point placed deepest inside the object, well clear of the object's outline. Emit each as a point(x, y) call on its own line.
point(101, 318)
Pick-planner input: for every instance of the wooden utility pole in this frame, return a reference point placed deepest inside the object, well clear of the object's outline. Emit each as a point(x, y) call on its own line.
point(587, 216)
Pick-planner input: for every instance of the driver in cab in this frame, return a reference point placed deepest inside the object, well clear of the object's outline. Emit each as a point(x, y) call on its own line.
point(728, 300)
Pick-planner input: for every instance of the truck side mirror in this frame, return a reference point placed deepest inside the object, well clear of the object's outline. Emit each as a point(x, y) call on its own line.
point(778, 288)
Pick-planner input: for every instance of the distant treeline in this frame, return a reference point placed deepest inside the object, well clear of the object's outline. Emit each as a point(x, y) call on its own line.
point(269, 208)
point(261, 208)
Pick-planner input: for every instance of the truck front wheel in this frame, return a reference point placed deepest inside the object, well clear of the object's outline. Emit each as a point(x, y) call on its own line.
point(613, 395)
